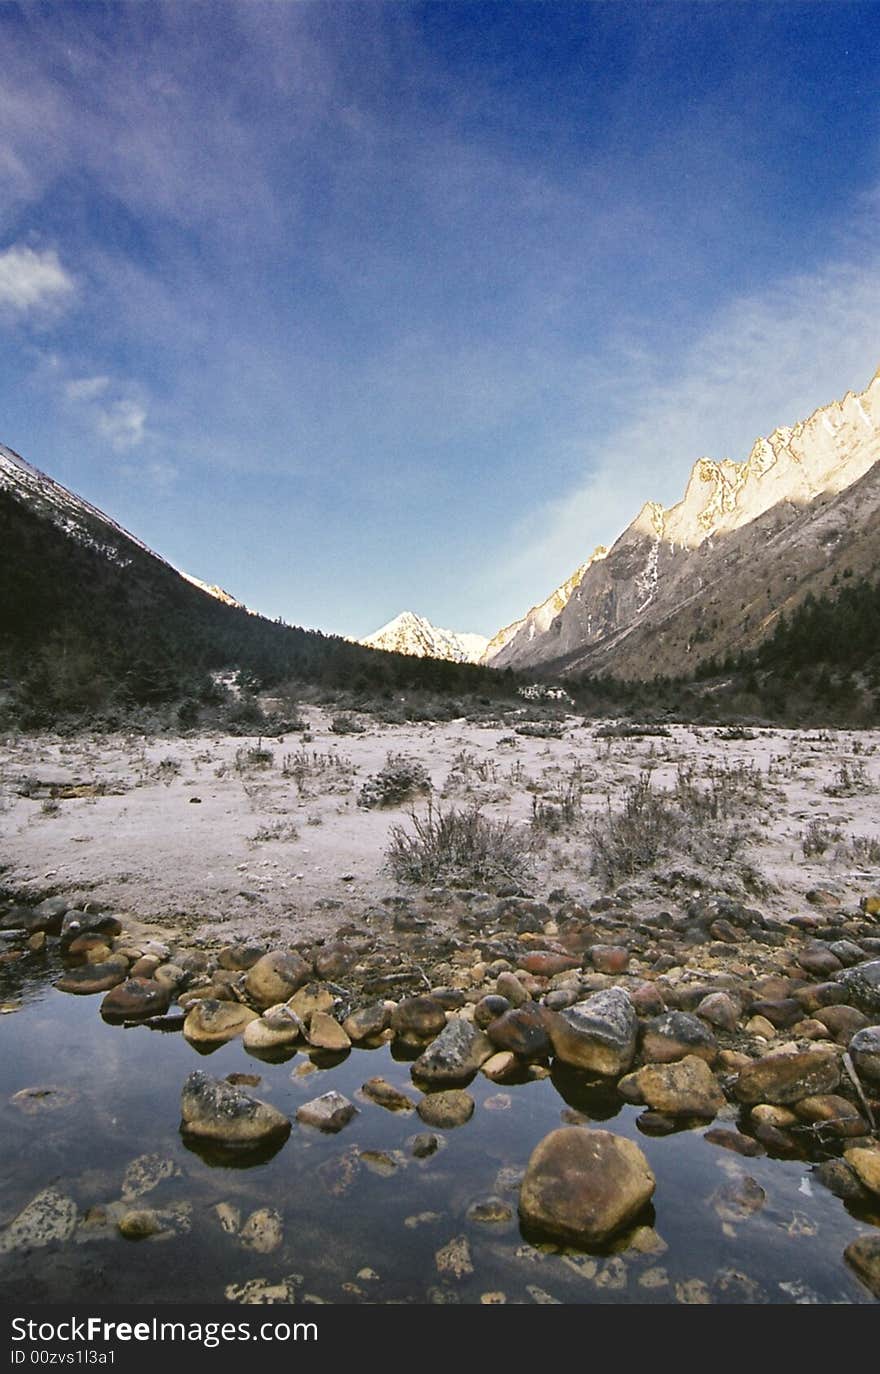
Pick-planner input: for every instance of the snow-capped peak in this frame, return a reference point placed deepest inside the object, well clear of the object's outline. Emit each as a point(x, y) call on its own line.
point(412, 634)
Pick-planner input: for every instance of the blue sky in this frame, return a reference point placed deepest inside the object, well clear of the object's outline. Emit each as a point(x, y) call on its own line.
point(357, 307)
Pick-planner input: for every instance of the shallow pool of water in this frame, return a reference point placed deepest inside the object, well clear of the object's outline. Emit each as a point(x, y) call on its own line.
point(361, 1219)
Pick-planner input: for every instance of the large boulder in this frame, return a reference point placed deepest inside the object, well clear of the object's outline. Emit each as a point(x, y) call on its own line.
point(276, 977)
point(584, 1185)
point(685, 1088)
point(598, 1035)
point(862, 985)
point(788, 1077)
point(219, 1113)
point(455, 1056)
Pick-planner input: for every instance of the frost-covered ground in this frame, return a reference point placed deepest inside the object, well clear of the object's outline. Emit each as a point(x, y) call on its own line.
point(196, 835)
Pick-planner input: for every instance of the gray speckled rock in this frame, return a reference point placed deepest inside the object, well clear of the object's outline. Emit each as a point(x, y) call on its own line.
point(598, 1035)
point(862, 984)
point(48, 1217)
point(455, 1056)
point(212, 1110)
point(865, 1050)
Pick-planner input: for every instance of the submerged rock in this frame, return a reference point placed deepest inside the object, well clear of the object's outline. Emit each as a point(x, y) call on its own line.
point(50, 1216)
point(212, 1110)
point(583, 1185)
point(454, 1107)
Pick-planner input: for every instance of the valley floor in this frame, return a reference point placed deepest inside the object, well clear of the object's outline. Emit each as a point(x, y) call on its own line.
point(218, 837)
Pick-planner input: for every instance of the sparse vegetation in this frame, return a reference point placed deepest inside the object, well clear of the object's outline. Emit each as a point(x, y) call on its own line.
point(399, 781)
point(818, 837)
point(461, 848)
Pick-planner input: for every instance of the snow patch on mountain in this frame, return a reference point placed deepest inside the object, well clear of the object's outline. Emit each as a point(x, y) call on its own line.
point(412, 634)
point(79, 519)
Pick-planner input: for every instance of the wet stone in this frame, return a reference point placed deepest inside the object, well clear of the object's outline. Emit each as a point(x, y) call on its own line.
point(386, 1095)
point(584, 1185)
point(368, 1023)
point(418, 1018)
point(135, 999)
point(686, 1088)
point(454, 1107)
point(210, 1023)
point(329, 1112)
point(781, 1079)
point(674, 1035)
point(522, 1032)
point(455, 1056)
point(598, 1034)
point(863, 1257)
point(218, 1112)
point(91, 978)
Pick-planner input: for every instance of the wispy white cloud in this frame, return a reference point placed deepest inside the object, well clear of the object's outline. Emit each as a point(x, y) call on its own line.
point(86, 388)
point(32, 280)
point(122, 424)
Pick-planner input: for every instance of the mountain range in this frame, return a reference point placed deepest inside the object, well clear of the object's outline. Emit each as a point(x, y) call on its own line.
point(711, 575)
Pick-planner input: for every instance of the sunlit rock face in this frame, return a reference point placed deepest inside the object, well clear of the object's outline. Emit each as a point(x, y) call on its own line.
point(711, 574)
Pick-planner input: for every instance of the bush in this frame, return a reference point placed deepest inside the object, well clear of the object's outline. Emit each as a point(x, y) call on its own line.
point(399, 781)
point(345, 725)
point(460, 848)
point(651, 826)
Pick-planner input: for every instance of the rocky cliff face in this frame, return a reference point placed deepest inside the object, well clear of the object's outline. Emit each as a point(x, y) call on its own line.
point(709, 575)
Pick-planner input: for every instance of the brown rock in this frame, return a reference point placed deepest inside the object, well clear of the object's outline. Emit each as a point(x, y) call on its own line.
point(446, 1109)
point(210, 1023)
point(785, 1078)
point(418, 1018)
point(275, 977)
point(327, 1034)
point(584, 1185)
point(135, 999)
point(686, 1088)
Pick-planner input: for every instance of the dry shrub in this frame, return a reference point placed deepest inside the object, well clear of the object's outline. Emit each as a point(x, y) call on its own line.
point(459, 847)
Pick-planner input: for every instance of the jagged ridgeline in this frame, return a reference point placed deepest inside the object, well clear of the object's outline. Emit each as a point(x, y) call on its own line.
point(92, 622)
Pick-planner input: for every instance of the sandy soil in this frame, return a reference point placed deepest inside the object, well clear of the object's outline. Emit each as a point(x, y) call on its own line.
point(194, 835)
